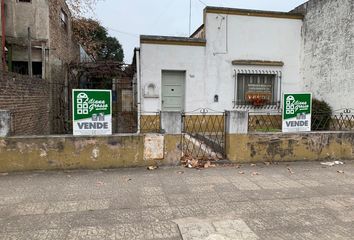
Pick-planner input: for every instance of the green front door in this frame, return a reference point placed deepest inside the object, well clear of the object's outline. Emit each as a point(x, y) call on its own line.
point(173, 89)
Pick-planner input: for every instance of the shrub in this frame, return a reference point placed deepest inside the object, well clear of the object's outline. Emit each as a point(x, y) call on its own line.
point(321, 115)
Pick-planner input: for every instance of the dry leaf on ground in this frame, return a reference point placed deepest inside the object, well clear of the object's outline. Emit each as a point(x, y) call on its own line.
point(194, 163)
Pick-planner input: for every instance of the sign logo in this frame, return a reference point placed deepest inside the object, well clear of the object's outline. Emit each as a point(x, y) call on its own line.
point(92, 112)
point(297, 112)
point(82, 104)
point(290, 105)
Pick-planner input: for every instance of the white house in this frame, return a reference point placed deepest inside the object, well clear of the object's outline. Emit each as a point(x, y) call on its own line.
point(238, 59)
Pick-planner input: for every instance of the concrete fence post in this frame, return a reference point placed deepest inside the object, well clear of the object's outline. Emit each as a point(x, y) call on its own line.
point(5, 123)
point(171, 122)
point(237, 122)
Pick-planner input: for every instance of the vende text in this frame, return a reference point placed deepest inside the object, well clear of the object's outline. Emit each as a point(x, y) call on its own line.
point(297, 123)
point(93, 125)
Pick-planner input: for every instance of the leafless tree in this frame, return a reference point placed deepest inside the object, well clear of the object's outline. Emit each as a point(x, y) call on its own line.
point(80, 8)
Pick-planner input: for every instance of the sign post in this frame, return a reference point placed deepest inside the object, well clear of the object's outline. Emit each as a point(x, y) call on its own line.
point(297, 109)
point(92, 112)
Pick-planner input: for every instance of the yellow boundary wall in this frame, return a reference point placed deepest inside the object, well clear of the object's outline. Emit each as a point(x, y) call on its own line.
point(117, 151)
point(68, 152)
point(262, 147)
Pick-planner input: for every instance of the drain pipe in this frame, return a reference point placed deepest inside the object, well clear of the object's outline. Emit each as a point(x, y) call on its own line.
point(235, 90)
point(138, 74)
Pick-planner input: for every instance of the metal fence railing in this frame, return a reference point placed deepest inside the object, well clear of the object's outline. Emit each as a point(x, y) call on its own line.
point(125, 121)
point(337, 122)
point(150, 122)
point(266, 122)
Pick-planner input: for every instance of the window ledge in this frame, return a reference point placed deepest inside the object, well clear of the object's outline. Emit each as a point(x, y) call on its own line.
point(258, 63)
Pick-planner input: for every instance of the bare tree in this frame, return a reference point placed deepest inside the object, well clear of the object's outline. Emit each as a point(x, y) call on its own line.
point(80, 8)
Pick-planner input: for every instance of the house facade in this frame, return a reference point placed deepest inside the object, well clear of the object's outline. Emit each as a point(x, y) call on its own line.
point(246, 59)
point(239, 59)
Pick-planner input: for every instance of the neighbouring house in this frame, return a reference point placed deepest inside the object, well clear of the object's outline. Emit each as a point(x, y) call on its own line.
point(53, 45)
point(327, 64)
point(246, 59)
point(53, 48)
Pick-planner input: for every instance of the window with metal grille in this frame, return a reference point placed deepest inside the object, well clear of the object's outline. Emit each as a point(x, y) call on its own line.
point(256, 89)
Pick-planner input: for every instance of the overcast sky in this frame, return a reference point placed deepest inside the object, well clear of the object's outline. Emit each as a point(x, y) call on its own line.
point(127, 19)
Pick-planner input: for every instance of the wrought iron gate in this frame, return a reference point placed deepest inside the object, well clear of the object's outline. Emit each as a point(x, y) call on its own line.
point(203, 134)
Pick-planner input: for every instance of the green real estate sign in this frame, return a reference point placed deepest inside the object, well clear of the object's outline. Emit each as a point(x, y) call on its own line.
point(297, 112)
point(92, 112)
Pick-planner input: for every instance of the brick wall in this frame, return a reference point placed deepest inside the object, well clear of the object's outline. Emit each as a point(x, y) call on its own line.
point(61, 39)
point(65, 50)
point(328, 50)
point(28, 101)
point(62, 50)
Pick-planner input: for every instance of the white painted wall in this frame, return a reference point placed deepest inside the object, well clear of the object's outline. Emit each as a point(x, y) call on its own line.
point(229, 37)
point(155, 58)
